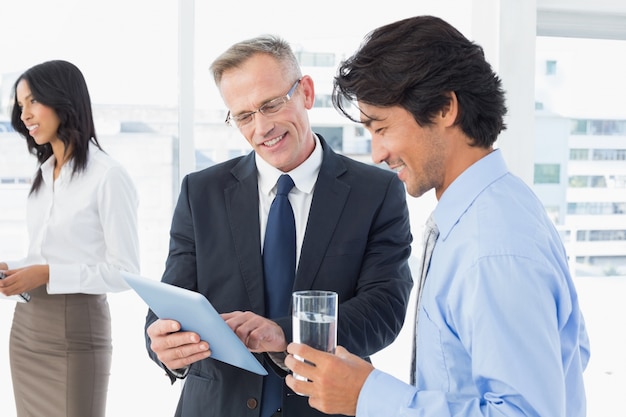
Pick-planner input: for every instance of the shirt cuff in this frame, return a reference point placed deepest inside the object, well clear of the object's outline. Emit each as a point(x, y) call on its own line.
point(63, 279)
point(179, 373)
point(383, 395)
point(279, 359)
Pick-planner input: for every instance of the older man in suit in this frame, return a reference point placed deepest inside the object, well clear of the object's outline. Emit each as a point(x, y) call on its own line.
point(351, 231)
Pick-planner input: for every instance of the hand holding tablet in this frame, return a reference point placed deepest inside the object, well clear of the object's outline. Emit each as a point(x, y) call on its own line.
point(195, 313)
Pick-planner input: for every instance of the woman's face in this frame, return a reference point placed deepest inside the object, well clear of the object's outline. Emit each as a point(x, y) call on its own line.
point(41, 121)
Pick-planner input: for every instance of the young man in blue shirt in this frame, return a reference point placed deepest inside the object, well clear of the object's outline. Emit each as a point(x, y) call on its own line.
point(499, 329)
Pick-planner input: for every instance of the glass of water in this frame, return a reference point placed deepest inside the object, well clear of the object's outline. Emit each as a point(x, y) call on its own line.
point(315, 320)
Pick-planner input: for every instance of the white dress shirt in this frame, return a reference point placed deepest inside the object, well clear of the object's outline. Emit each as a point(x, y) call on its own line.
point(304, 177)
point(84, 226)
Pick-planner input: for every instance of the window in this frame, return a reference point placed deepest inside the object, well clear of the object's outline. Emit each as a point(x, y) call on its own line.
point(312, 59)
point(332, 135)
point(547, 174)
point(584, 181)
point(550, 67)
point(15, 180)
point(323, 100)
point(607, 127)
point(606, 235)
point(617, 181)
point(596, 208)
point(579, 127)
point(579, 154)
point(609, 154)
point(598, 127)
point(5, 126)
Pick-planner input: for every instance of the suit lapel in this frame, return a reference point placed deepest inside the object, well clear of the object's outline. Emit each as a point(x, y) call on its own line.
point(329, 199)
point(242, 205)
point(243, 216)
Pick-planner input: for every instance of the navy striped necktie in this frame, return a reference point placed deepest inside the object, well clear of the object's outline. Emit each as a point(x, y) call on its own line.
point(279, 270)
point(279, 251)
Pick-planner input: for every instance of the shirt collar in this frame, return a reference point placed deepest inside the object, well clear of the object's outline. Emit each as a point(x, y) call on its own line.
point(465, 188)
point(47, 168)
point(304, 175)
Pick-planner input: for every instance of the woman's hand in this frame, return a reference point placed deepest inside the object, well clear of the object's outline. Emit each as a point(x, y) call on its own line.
point(24, 279)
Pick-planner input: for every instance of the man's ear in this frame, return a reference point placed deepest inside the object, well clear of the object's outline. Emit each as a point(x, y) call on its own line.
point(308, 90)
point(450, 111)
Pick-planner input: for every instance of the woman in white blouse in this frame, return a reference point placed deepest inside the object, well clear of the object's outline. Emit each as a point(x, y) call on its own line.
point(82, 225)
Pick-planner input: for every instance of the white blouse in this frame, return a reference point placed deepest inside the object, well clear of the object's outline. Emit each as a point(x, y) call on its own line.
point(84, 226)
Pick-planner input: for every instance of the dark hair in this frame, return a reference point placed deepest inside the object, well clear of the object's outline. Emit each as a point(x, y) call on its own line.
point(415, 63)
point(61, 86)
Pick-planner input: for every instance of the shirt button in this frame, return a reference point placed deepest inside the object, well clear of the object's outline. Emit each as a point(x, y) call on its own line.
point(252, 403)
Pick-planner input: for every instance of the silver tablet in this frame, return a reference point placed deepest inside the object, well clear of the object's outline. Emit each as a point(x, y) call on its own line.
point(196, 314)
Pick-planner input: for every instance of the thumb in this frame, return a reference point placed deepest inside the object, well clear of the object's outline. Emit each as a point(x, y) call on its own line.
point(342, 352)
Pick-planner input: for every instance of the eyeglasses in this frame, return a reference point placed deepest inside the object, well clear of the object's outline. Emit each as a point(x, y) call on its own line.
point(270, 107)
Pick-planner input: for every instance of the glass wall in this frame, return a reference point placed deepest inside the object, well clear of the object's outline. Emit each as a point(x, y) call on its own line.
point(128, 52)
point(579, 83)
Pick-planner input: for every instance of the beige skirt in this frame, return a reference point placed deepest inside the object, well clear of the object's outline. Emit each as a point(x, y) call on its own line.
point(60, 353)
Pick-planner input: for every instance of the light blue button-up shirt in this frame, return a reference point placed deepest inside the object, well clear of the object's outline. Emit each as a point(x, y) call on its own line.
point(500, 332)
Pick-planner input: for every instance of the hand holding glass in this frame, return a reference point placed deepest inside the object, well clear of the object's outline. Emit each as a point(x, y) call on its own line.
point(315, 320)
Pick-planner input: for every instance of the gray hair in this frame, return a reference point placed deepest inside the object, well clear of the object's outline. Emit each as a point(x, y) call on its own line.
point(240, 52)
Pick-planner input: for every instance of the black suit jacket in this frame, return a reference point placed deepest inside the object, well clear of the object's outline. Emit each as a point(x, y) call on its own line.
point(357, 243)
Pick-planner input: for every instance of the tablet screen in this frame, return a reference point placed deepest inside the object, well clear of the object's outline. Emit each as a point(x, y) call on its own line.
point(195, 313)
